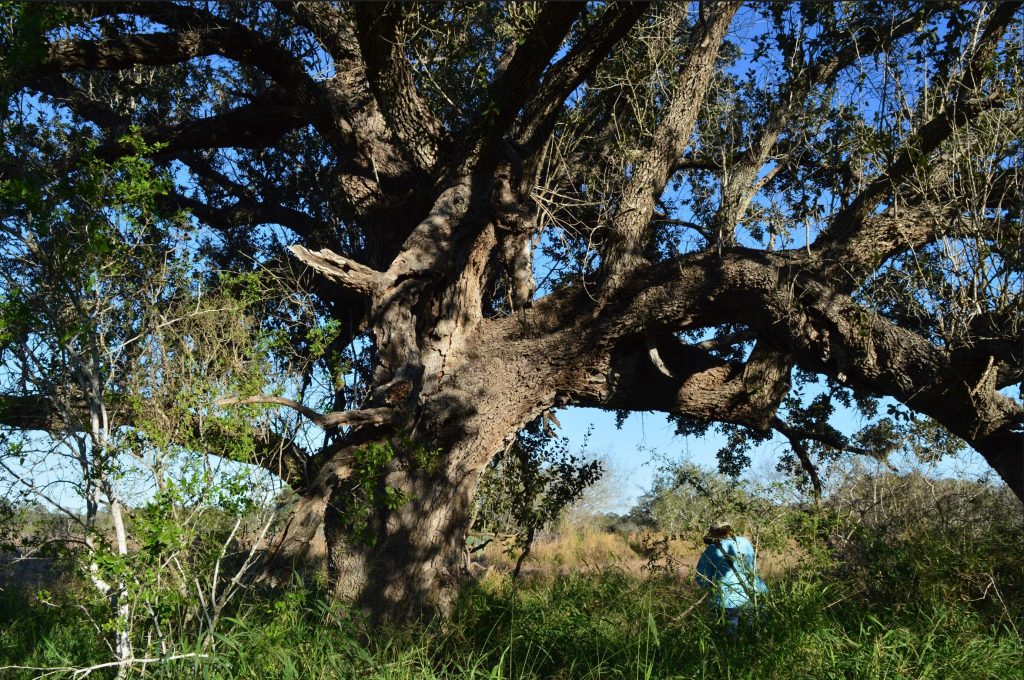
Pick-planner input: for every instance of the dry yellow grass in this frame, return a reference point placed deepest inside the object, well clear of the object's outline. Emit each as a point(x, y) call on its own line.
point(590, 549)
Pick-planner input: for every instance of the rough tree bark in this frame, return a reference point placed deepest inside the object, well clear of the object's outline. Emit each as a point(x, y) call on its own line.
point(444, 209)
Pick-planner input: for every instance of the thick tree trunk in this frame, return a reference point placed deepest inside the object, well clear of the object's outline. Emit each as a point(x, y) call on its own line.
point(396, 521)
point(1004, 451)
point(407, 560)
point(298, 546)
point(396, 535)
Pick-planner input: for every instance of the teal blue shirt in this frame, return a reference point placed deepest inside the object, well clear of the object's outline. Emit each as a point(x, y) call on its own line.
point(732, 585)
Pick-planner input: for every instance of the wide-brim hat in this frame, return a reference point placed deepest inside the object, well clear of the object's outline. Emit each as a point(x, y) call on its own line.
point(719, 525)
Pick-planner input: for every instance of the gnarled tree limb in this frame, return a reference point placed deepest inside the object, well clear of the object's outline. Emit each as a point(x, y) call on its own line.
point(511, 88)
point(570, 71)
point(342, 271)
point(382, 44)
point(628, 231)
point(966, 105)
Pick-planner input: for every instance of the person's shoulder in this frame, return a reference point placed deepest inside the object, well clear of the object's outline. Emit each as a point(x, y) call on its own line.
point(729, 546)
point(743, 541)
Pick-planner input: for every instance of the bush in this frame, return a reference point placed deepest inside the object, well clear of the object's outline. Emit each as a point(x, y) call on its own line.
point(908, 538)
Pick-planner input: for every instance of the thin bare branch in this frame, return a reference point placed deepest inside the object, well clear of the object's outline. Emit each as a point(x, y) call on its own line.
point(357, 417)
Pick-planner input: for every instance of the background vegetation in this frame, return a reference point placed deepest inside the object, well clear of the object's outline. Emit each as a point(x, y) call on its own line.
point(893, 576)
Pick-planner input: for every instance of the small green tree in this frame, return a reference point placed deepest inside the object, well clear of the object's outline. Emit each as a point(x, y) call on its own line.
point(529, 485)
point(83, 262)
point(121, 342)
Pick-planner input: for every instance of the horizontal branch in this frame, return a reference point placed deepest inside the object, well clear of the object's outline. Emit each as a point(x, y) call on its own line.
point(727, 341)
point(234, 41)
point(689, 381)
point(274, 452)
point(792, 433)
point(252, 209)
point(261, 122)
point(356, 417)
point(222, 218)
point(120, 52)
point(31, 412)
point(819, 328)
point(195, 32)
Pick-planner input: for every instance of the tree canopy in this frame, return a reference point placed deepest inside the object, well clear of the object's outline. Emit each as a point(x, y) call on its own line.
point(498, 209)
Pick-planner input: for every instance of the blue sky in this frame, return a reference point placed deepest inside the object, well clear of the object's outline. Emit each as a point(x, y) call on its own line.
point(630, 450)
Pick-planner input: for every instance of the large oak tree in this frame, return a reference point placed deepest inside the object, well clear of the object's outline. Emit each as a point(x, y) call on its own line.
point(715, 196)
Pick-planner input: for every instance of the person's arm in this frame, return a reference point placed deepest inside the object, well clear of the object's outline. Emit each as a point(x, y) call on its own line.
point(705, 570)
point(750, 561)
point(746, 550)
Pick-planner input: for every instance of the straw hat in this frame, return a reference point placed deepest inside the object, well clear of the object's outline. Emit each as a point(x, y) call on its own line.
point(719, 527)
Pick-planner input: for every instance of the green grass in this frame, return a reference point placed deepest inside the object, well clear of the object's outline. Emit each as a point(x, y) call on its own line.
point(609, 625)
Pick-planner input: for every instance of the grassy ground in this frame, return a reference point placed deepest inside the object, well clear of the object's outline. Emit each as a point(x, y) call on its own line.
point(614, 621)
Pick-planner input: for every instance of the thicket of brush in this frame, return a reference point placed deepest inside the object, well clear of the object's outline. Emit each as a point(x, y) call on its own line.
point(895, 577)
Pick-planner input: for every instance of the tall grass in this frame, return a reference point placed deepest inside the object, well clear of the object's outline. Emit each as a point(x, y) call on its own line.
point(903, 592)
point(605, 625)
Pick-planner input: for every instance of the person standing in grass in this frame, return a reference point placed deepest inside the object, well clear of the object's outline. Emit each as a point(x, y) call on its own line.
point(728, 568)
